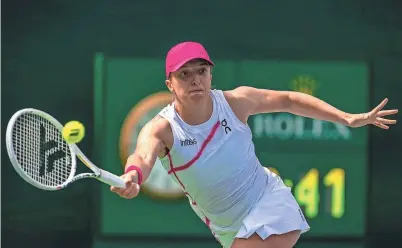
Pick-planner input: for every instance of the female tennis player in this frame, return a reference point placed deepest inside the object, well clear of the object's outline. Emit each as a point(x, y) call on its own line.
point(205, 144)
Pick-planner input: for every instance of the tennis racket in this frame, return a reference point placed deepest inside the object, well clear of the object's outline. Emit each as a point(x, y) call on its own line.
point(42, 157)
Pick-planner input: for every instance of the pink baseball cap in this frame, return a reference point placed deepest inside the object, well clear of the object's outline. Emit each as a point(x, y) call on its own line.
point(184, 52)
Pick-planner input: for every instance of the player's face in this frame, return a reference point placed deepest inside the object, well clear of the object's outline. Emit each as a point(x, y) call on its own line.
point(192, 82)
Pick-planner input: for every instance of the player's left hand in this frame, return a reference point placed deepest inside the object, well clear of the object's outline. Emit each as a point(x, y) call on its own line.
point(374, 117)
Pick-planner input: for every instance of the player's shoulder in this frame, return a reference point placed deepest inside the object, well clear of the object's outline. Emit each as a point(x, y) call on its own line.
point(238, 95)
point(159, 127)
point(158, 124)
point(238, 100)
point(239, 92)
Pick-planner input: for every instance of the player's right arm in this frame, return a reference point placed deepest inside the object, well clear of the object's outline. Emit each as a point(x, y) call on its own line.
point(153, 140)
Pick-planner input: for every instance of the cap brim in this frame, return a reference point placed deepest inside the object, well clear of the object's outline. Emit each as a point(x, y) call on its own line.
point(179, 65)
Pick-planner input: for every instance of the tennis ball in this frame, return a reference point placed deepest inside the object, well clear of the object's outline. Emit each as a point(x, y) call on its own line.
point(73, 132)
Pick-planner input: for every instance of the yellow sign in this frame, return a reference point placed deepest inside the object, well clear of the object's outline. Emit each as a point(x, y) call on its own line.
point(304, 84)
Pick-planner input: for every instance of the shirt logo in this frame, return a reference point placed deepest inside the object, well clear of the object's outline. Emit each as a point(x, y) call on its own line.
point(224, 124)
point(188, 142)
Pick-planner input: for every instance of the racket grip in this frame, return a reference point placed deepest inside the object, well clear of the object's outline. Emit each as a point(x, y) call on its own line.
point(111, 179)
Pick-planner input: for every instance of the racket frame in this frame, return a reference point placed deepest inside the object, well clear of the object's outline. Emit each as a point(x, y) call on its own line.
point(99, 174)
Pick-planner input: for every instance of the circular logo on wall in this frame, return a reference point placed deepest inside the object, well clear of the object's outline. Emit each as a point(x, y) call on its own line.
point(159, 184)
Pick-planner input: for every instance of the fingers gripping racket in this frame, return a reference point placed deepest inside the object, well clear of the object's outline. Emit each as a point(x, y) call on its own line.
point(43, 158)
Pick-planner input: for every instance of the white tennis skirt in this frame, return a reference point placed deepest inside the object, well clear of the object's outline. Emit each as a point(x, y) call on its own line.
point(277, 212)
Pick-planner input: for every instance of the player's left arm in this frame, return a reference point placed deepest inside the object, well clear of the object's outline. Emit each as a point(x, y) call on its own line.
point(251, 101)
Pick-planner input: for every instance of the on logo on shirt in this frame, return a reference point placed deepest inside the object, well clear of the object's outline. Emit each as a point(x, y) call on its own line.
point(224, 124)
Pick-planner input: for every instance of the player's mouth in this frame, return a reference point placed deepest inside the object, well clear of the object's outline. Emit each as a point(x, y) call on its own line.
point(195, 91)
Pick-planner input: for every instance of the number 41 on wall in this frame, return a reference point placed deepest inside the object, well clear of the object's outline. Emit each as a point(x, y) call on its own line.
point(307, 191)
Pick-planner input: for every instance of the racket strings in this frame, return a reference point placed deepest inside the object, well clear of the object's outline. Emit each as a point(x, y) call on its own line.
point(41, 150)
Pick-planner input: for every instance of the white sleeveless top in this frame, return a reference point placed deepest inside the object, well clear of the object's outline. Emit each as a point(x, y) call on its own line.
point(216, 165)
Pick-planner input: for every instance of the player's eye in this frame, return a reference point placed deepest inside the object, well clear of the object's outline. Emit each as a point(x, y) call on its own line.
point(202, 71)
point(184, 74)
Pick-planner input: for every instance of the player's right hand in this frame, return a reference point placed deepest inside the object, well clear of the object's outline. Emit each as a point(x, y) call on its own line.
point(132, 188)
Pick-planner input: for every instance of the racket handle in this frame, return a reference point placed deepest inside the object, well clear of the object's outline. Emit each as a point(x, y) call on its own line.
point(111, 179)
